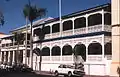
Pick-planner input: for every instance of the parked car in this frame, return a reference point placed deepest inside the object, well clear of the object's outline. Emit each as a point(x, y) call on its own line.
point(69, 70)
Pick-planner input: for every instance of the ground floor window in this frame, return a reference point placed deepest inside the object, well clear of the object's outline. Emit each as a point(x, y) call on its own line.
point(56, 51)
point(80, 49)
point(95, 49)
point(67, 50)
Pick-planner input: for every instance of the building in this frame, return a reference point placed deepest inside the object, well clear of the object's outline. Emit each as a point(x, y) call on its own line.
point(83, 36)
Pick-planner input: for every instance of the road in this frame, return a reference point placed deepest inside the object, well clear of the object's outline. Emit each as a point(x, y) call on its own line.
point(25, 75)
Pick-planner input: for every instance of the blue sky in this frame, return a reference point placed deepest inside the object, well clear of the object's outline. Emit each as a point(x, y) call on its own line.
point(14, 17)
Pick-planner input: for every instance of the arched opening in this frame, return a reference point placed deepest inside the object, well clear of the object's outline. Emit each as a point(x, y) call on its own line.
point(108, 49)
point(28, 53)
point(37, 51)
point(36, 32)
point(20, 56)
point(95, 49)
point(67, 25)
point(6, 57)
point(107, 19)
point(80, 22)
point(56, 51)
point(80, 50)
point(3, 57)
point(95, 19)
point(56, 28)
point(67, 50)
point(39, 32)
point(46, 51)
point(47, 30)
point(11, 57)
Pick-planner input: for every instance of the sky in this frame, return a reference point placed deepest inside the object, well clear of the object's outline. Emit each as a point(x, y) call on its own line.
point(13, 10)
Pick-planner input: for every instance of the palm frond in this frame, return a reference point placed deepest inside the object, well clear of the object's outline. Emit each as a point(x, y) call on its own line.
point(33, 12)
point(1, 19)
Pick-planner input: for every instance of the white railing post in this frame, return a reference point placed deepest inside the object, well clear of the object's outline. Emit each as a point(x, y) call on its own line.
point(102, 20)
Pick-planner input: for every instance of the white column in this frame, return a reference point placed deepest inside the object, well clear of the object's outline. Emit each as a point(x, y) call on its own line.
point(61, 51)
point(13, 57)
point(102, 20)
point(8, 56)
point(86, 37)
point(24, 56)
point(103, 48)
point(50, 31)
point(86, 16)
point(73, 25)
point(86, 51)
point(50, 43)
point(50, 53)
point(5, 56)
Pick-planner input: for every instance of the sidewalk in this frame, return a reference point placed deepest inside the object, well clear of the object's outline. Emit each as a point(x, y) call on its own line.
point(51, 74)
point(44, 73)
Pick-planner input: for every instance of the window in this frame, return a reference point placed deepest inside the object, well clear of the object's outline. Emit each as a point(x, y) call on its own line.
point(55, 28)
point(107, 19)
point(79, 23)
point(47, 30)
point(56, 51)
point(46, 51)
point(80, 49)
point(95, 49)
point(94, 19)
point(67, 25)
point(67, 50)
point(108, 49)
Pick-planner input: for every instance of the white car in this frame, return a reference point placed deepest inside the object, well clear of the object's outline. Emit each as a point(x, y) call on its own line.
point(69, 70)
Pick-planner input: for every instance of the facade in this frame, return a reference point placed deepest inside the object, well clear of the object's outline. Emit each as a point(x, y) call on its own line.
point(83, 36)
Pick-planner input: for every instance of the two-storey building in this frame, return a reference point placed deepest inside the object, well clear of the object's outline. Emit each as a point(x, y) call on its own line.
point(83, 36)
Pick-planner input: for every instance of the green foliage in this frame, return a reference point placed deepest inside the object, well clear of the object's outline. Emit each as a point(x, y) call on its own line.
point(1, 19)
point(19, 37)
point(33, 12)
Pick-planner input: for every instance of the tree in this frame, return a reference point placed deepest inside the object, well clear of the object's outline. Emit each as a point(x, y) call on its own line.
point(31, 13)
point(1, 18)
point(19, 39)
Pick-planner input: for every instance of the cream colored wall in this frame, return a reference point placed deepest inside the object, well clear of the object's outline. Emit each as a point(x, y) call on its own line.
point(115, 37)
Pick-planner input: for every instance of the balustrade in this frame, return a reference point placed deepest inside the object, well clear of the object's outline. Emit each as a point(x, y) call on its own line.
point(95, 28)
point(80, 31)
point(67, 33)
point(84, 30)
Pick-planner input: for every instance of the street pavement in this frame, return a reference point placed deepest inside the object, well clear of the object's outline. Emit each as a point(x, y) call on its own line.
point(36, 74)
point(24, 75)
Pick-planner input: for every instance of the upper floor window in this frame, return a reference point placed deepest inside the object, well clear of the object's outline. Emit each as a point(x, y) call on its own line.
point(95, 19)
point(107, 18)
point(56, 28)
point(67, 25)
point(79, 22)
point(37, 31)
point(47, 30)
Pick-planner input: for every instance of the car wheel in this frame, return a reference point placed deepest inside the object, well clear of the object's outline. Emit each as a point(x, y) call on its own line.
point(56, 73)
point(69, 74)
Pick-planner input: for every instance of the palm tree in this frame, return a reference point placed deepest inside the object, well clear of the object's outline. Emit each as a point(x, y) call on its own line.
point(19, 38)
point(1, 18)
point(31, 13)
